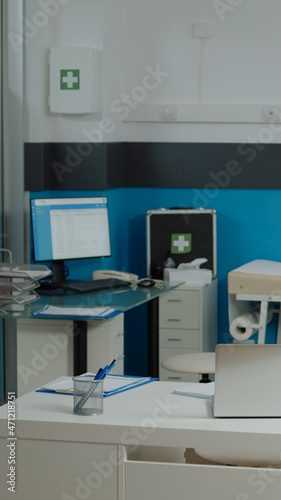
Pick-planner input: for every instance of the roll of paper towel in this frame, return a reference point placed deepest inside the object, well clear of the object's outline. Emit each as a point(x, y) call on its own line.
point(245, 325)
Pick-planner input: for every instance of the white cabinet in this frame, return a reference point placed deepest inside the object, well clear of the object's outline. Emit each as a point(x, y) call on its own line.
point(45, 349)
point(60, 470)
point(166, 476)
point(187, 323)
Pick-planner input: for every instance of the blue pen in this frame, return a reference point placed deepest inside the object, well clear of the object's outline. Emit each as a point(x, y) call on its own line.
point(101, 374)
point(110, 367)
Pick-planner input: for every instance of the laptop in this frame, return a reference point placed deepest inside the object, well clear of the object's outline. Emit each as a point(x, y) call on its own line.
point(247, 380)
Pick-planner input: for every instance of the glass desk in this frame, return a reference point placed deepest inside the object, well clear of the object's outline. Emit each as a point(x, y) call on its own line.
point(120, 299)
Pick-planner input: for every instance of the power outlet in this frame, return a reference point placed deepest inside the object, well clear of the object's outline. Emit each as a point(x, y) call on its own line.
point(202, 30)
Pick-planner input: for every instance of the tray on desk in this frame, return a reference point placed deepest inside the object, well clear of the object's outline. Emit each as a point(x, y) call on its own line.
point(14, 270)
point(17, 285)
point(20, 298)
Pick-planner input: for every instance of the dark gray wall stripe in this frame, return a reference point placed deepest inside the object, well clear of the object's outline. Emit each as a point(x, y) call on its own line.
point(89, 166)
point(62, 166)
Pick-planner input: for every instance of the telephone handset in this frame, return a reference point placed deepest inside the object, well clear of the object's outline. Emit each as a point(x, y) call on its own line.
point(103, 274)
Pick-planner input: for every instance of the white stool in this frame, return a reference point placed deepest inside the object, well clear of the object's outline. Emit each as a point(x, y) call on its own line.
point(194, 362)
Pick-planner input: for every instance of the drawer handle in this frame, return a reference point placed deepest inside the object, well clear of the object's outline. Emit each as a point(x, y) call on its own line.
point(174, 300)
point(174, 340)
point(174, 378)
point(171, 319)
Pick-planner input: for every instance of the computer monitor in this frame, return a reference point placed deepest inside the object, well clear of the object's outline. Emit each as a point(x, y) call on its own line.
point(69, 228)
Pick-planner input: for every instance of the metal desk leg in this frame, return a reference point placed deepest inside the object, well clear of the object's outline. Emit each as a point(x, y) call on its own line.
point(79, 347)
point(153, 337)
point(10, 356)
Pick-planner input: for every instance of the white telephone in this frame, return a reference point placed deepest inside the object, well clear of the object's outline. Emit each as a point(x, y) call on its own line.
point(103, 274)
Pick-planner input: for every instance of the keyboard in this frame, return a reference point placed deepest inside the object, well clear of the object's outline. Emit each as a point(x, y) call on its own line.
point(95, 285)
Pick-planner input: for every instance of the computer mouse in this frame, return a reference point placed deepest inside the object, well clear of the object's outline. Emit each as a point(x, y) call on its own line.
point(146, 282)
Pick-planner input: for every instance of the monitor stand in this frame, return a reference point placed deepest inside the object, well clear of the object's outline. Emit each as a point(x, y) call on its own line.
point(58, 271)
point(58, 278)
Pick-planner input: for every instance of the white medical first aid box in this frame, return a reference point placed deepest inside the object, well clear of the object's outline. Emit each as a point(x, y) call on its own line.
point(183, 235)
point(74, 79)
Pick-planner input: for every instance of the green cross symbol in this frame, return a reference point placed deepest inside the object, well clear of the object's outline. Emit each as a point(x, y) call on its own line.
point(69, 79)
point(181, 243)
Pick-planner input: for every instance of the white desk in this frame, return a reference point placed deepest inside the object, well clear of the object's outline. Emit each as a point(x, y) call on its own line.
point(62, 456)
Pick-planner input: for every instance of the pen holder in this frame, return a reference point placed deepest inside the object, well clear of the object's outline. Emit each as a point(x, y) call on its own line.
point(88, 395)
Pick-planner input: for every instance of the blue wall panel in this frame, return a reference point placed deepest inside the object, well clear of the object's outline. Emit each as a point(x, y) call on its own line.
point(248, 228)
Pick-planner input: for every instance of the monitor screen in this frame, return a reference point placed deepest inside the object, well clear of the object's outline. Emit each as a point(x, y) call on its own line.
point(70, 228)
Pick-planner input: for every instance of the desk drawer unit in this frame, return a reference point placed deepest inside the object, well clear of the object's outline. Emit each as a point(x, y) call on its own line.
point(44, 352)
point(45, 349)
point(167, 478)
point(187, 323)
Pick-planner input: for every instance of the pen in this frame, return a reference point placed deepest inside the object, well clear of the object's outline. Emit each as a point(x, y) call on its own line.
point(102, 373)
point(112, 364)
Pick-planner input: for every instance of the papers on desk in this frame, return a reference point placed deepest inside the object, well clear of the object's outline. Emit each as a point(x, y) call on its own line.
point(77, 312)
point(113, 384)
point(205, 391)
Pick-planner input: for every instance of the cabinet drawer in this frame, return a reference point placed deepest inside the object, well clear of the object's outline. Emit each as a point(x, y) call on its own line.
point(65, 470)
point(181, 318)
point(188, 299)
point(165, 480)
point(179, 309)
point(105, 342)
point(168, 376)
point(164, 374)
point(177, 338)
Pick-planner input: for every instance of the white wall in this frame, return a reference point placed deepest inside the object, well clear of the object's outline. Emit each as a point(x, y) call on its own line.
point(239, 64)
